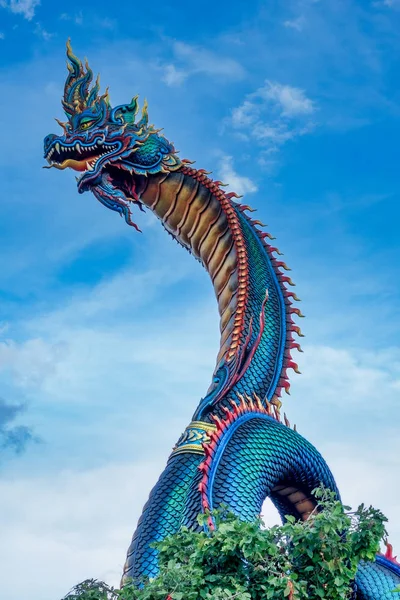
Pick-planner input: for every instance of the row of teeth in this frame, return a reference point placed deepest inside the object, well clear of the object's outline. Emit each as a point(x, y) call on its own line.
point(78, 148)
point(90, 165)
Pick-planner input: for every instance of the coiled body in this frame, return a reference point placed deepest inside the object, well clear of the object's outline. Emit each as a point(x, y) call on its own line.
point(236, 450)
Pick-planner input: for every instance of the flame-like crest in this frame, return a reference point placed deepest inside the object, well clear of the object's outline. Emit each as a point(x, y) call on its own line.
point(77, 93)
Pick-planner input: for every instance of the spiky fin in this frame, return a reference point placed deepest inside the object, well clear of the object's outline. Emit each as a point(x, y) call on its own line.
point(77, 95)
point(143, 122)
point(389, 554)
point(127, 112)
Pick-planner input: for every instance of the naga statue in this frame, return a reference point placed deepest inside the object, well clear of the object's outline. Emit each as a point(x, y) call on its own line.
point(237, 450)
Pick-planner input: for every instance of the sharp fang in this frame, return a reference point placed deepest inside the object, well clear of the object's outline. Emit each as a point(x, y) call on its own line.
point(78, 147)
point(89, 167)
point(58, 147)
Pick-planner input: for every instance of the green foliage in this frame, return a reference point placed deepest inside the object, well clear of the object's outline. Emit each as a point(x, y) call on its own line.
point(314, 560)
point(90, 589)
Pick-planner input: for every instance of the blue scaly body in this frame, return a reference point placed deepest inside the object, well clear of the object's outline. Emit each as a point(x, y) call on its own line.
point(236, 450)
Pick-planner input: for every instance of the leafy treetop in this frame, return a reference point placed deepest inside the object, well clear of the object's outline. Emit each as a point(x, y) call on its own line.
point(314, 560)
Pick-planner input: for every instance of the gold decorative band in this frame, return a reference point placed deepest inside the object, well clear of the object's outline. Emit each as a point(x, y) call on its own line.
point(192, 448)
point(209, 427)
point(193, 438)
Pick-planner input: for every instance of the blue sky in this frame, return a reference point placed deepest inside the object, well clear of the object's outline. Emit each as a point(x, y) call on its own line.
point(108, 338)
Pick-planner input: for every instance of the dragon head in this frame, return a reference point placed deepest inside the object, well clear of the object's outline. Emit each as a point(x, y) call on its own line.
point(105, 144)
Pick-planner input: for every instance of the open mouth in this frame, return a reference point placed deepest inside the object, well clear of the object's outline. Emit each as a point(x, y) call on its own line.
point(124, 181)
point(78, 156)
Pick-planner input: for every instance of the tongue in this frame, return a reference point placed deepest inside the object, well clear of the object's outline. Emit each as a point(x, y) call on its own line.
point(77, 165)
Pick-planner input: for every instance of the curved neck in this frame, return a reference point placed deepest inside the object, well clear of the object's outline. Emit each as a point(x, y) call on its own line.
point(202, 220)
point(254, 305)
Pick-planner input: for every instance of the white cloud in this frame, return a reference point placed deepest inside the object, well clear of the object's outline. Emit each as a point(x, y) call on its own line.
point(174, 76)
point(297, 23)
point(70, 526)
point(111, 379)
point(274, 114)
point(41, 32)
point(286, 100)
point(367, 473)
point(26, 8)
point(193, 60)
point(68, 349)
point(76, 18)
point(205, 61)
point(30, 362)
point(362, 380)
point(276, 134)
point(238, 183)
point(292, 101)
point(245, 114)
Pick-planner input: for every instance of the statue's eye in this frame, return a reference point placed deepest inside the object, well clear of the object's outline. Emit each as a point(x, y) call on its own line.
point(86, 124)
